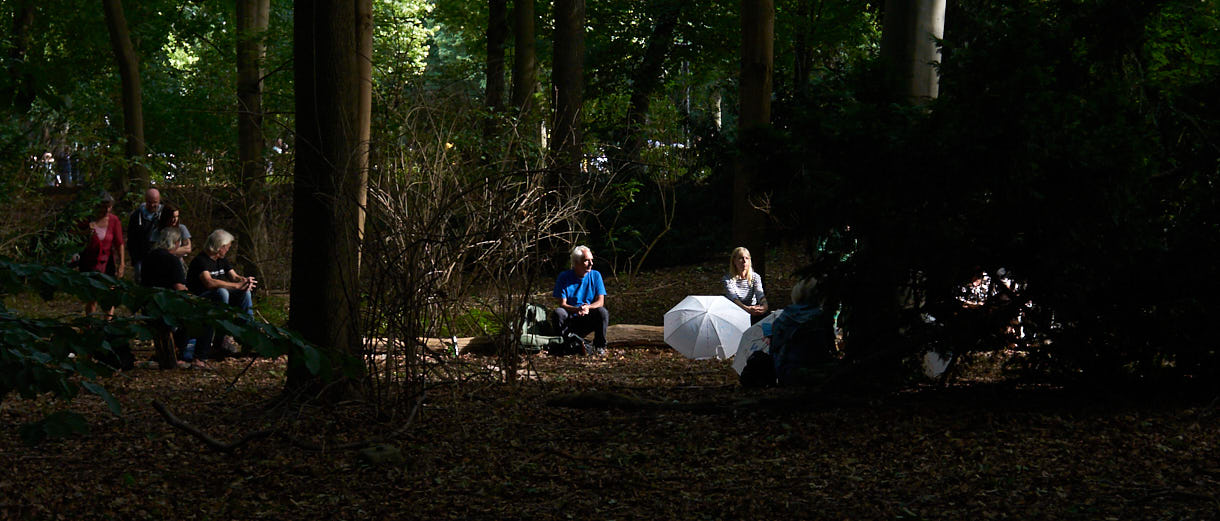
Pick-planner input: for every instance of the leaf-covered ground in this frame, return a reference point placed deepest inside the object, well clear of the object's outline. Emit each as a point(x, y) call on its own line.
point(486, 450)
point(687, 447)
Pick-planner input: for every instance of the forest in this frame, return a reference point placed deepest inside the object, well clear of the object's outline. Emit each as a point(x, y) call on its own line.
point(1025, 189)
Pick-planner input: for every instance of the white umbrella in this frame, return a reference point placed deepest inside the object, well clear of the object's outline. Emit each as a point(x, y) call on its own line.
point(754, 339)
point(705, 327)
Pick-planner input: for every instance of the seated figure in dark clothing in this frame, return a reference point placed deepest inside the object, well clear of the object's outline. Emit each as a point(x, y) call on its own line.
point(802, 338)
point(163, 269)
point(212, 277)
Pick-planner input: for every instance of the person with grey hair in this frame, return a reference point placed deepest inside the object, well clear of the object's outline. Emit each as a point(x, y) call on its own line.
point(163, 269)
point(581, 296)
point(802, 338)
point(212, 277)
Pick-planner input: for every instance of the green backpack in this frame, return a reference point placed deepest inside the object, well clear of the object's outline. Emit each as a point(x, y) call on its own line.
point(537, 333)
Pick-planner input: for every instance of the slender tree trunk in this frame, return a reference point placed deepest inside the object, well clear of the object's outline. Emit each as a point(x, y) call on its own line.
point(568, 78)
point(252, 18)
point(525, 71)
point(332, 48)
point(908, 48)
point(757, 60)
point(802, 48)
point(21, 96)
point(497, 35)
point(133, 111)
point(364, 124)
point(644, 82)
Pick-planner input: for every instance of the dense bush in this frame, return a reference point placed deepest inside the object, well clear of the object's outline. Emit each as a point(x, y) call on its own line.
point(1071, 146)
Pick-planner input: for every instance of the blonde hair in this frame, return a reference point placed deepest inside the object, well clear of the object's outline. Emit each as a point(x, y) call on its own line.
point(749, 263)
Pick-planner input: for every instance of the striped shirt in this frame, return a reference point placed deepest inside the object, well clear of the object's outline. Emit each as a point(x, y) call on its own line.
point(747, 291)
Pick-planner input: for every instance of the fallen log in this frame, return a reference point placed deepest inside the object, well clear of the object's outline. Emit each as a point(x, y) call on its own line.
point(618, 336)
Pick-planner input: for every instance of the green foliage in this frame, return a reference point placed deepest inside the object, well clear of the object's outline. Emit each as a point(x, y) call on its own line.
point(187, 59)
point(474, 322)
point(60, 357)
point(400, 43)
point(273, 308)
point(59, 238)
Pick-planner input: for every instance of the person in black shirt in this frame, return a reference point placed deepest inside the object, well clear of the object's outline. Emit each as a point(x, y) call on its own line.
point(212, 277)
point(162, 269)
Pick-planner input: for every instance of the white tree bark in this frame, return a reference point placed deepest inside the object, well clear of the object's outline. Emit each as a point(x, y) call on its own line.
point(908, 47)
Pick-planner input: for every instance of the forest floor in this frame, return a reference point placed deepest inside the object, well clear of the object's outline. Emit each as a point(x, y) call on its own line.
point(640, 433)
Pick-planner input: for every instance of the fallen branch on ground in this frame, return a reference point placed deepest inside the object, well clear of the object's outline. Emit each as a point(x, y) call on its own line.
point(301, 444)
point(203, 436)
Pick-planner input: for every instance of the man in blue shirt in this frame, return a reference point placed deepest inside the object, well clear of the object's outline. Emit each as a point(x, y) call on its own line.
point(581, 296)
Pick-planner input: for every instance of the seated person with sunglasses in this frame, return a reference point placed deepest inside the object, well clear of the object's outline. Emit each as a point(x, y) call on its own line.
point(581, 298)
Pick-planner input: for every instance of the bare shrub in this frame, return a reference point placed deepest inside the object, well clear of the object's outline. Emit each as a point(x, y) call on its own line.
point(448, 231)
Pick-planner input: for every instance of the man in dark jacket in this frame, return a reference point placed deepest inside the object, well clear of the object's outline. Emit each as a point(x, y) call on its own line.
point(140, 228)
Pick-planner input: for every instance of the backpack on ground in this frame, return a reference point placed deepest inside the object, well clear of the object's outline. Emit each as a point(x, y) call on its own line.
point(537, 333)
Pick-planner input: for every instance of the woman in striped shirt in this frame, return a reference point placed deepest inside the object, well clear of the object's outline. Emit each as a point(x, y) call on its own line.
point(743, 286)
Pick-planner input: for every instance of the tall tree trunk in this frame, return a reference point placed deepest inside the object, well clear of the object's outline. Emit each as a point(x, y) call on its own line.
point(525, 71)
point(802, 47)
point(332, 49)
point(568, 78)
point(644, 81)
point(21, 95)
point(908, 48)
point(497, 35)
point(252, 18)
point(757, 60)
point(873, 302)
point(133, 111)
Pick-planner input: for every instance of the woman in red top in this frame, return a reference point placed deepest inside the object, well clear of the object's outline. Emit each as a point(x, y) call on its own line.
point(104, 246)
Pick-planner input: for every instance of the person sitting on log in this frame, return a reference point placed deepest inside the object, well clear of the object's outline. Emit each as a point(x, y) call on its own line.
point(743, 286)
point(581, 296)
point(163, 269)
point(212, 277)
point(802, 338)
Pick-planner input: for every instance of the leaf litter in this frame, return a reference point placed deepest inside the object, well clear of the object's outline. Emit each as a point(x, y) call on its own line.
point(493, 450)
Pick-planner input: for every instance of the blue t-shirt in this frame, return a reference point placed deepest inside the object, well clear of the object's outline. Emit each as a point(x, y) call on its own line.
point(578, 291)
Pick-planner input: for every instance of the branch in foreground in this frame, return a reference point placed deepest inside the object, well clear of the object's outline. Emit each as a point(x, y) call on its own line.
point(230, 447)
point(203, 436)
